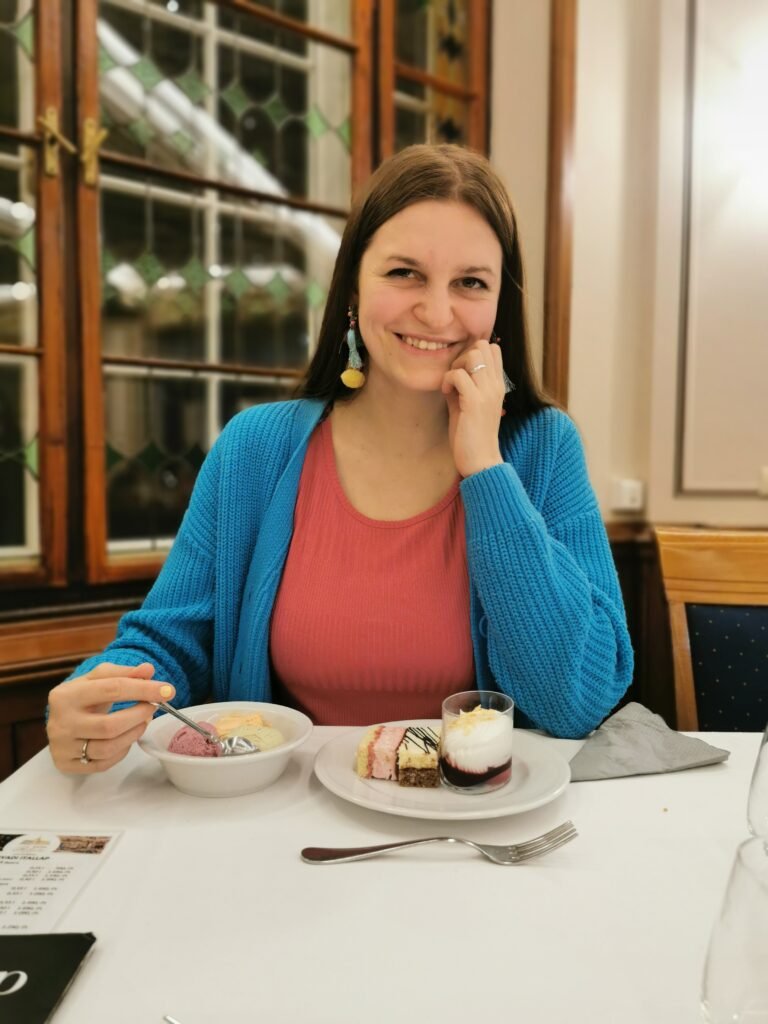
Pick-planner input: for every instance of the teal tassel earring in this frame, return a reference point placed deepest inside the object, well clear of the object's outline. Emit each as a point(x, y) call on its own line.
point(353, 376)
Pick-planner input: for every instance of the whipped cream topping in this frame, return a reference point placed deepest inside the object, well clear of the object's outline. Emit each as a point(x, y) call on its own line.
point(478, 740)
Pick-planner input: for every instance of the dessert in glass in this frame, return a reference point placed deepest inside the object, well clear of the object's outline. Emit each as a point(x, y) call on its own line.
point(476, 741)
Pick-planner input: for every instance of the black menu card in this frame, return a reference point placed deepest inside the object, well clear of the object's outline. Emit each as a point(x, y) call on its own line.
point(36, 971)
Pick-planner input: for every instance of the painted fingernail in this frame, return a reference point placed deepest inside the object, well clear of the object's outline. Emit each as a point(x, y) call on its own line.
point(166, 691)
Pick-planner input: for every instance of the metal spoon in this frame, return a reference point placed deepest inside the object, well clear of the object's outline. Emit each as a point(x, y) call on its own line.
point(229, 747)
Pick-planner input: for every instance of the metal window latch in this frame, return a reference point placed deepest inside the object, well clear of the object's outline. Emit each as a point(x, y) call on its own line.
point(93, 137)
point(52, 139)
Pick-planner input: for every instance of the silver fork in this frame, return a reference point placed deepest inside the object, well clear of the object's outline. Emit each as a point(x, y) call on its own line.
point(515, 854)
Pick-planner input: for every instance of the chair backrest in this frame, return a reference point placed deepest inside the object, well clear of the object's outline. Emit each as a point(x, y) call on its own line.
point(718, 569)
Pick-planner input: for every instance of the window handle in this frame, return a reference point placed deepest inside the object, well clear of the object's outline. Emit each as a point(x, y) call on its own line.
point(93, 137)
point(52, 139)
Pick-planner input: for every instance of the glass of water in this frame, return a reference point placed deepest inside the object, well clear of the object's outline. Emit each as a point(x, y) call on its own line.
point(735, 989)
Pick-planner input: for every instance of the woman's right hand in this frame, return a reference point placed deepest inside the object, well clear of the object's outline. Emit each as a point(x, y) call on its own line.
point(84, 737)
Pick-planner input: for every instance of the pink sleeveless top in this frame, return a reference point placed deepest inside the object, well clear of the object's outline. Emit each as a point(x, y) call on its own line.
point(371, 621)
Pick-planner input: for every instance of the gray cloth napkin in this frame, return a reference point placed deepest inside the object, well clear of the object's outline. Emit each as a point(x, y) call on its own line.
point(634, 741)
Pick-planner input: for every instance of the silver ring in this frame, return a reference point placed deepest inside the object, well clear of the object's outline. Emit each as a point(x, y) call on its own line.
point(84, 759)
point(476, 369)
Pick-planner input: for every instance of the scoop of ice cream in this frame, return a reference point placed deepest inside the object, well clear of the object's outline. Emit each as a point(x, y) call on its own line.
point(187, 741)
point(478, 740)
point(234, 723)
point(252, 727)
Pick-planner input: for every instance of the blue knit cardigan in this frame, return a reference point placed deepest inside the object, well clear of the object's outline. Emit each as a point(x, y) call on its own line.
point(548, 624)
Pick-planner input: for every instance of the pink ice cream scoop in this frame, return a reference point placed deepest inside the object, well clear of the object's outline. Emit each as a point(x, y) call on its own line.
point(187, 741)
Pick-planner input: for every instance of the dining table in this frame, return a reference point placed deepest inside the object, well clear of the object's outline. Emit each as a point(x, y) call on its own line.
point(205, 912)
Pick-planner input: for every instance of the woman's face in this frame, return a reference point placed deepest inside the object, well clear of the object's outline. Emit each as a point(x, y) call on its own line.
point(428, 288)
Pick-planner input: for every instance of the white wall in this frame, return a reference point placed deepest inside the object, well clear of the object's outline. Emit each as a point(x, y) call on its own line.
point(709, 416)
point(614, 241)
point(519, 104)
point(628, 212)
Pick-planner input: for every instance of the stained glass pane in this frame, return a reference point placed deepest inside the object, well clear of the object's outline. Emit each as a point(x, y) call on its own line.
point(153, 274)
point(432, 35)
point(18, 457)
point(18, 280)
point(225, 95)
point(158, 430)
point(17, 72)
point(275, 278)
point(423, 114)
point(156, 438)
point(200, 278)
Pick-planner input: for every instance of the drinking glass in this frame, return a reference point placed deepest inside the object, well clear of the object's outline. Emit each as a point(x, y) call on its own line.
point(476, 741)
point(757, 806)
point(735, 989)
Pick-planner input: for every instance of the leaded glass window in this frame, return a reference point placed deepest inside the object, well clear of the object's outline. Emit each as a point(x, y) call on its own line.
point(155, 283)
point(19, 344)
point(210, 300)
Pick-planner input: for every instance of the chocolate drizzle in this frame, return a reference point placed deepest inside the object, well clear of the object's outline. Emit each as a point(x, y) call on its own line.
point(423, 737)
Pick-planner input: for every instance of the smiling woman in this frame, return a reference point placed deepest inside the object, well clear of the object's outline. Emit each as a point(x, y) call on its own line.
point(362, 553)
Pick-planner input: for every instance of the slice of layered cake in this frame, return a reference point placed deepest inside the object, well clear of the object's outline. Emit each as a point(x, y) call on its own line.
point(417, 757)
point(406, 755)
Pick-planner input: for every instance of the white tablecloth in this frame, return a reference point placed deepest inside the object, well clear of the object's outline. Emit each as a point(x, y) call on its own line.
point(204, 910)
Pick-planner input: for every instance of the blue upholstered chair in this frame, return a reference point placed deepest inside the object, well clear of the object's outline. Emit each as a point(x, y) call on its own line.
point(716, 582)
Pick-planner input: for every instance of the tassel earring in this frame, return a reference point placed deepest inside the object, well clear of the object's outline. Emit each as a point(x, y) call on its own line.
point(353, 376)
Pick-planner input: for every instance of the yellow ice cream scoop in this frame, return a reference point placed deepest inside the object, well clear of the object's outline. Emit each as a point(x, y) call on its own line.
point(237, 721)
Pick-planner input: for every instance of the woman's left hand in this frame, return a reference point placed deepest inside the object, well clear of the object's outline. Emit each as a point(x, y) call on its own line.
point(474, 407)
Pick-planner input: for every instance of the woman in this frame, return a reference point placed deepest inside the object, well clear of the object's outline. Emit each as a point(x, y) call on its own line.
point(420, 522)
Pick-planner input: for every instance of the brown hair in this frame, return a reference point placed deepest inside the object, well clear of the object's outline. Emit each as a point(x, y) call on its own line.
point(415, 174)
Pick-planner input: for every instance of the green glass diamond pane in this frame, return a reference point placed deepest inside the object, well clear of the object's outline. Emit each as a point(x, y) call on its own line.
point(315, 294)
point(113, 456)
point(238, 283)
point(141, 131)
point(106, 63)
point(316, 123)
point(25, 34)
point(151, 456)
point(195, 274)
point(276, 110)
point(192, 86)
point(183, 143)
point(150, 267)
point(236, 99)
point(30, 456)
point(278, 288)
point(146, 73)
point(25, 246)
point(344, 131)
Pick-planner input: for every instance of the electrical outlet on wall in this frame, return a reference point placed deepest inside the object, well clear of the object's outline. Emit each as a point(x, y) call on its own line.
point(627, 495)
point(762, 482)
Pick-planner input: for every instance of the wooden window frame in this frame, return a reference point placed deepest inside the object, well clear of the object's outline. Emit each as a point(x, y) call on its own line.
point(68, 211)
point(51, 567)
point(475, 94)
point(101, 565)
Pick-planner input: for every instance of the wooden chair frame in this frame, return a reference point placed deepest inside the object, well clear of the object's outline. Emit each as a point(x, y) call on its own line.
point(707, 566)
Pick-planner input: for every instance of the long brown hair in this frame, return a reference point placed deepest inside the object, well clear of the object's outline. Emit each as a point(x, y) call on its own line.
point(415, 174)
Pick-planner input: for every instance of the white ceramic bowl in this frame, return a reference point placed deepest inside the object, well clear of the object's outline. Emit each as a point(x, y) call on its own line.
point(226, 776)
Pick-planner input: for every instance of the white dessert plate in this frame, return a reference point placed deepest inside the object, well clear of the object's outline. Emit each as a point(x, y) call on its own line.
point(539, 774)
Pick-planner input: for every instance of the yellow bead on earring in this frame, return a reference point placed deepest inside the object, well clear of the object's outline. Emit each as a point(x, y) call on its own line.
point(353, 376)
